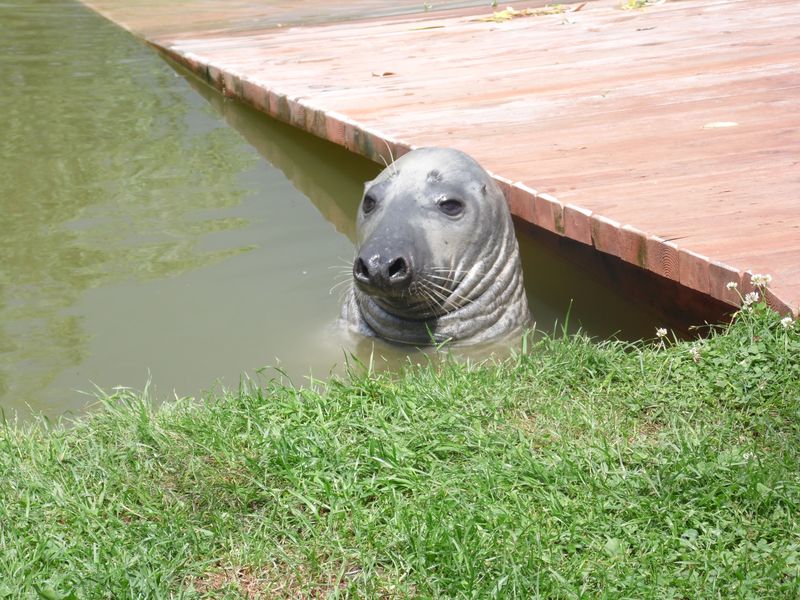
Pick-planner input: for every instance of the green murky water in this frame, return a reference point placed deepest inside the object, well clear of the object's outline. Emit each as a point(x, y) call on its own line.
point(151, 230)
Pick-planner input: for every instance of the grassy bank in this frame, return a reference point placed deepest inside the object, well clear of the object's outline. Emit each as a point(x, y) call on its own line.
point(576, 469)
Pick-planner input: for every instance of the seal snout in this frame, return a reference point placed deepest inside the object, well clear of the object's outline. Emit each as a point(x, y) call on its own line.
point(381, 273)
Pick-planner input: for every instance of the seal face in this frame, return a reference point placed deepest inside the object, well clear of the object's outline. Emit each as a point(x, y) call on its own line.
point(436, 259)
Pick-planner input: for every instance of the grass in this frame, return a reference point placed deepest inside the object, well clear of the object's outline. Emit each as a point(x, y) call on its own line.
point(574, 469)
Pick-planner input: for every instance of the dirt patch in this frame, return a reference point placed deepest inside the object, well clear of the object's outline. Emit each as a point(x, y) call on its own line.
point(273, 581)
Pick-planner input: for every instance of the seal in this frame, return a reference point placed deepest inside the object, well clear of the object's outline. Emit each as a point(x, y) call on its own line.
point(436, 258)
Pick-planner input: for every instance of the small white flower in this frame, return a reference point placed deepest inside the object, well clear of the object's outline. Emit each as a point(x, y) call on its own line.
point(695, 352)
point(732, 285)
point(760, 280)
point(787, 322)
point(661, 332)
point(750, 298)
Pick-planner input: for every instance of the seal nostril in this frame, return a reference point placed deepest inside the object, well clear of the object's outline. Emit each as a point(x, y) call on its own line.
point(360, 269)
point(398, 268)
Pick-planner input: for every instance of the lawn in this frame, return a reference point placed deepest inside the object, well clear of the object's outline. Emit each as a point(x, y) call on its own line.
point(575, 468)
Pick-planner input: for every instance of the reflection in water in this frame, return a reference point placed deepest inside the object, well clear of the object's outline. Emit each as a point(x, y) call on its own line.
point(105, 170)
point(331, 177)
point(142, 237)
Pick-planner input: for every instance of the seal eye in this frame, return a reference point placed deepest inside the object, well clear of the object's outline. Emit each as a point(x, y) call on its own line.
point(368, 205)
point(451, 207)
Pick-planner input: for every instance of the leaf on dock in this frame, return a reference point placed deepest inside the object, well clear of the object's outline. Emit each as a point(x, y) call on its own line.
point(510, 12)
point(639, 4)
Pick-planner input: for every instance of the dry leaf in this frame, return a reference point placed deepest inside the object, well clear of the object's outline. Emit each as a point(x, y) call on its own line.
point(511, 13)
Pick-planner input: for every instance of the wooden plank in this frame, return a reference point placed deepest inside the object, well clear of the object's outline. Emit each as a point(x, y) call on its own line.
point(669, 137)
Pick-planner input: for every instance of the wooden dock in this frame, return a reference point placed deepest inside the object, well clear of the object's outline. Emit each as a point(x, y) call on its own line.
point(668, 136)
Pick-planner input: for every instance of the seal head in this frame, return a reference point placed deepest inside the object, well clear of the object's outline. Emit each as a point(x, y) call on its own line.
point(437, 259)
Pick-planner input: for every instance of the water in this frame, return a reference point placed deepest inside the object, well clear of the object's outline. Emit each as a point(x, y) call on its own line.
point(152, 230)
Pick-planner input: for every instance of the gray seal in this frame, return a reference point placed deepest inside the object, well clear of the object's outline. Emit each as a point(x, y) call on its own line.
point(436, 260)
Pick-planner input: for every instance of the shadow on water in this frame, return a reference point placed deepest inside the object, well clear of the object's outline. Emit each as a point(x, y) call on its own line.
point(328, 175)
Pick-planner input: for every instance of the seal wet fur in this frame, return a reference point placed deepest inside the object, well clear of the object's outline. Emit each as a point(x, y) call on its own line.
point(437, 259)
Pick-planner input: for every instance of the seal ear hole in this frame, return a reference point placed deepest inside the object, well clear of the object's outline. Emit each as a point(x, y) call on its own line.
point(369, 203)
point(451, 207)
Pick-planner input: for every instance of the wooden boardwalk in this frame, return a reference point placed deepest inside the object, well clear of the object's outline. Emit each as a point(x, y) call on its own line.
point(669, 136)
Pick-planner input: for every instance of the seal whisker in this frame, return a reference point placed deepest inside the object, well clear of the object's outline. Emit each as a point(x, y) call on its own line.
point(346, 261)
point(346, 292)
point(342, 278)
point(450, 276)
point(446, 280)
point(450, 283)
point(444, 290)
point(446, 296)
point(431, 289)
point(442, 270)
point(453, 294)
point(445, 269)
point(434, 301)
point(430, 300)
point(339, 284)
point(339, 278)
point(450, 290)
point(343, 270)
point(391, 155)
point(421, 288)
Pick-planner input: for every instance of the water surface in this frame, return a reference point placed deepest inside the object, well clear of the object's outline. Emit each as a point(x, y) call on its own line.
point(152, 230)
